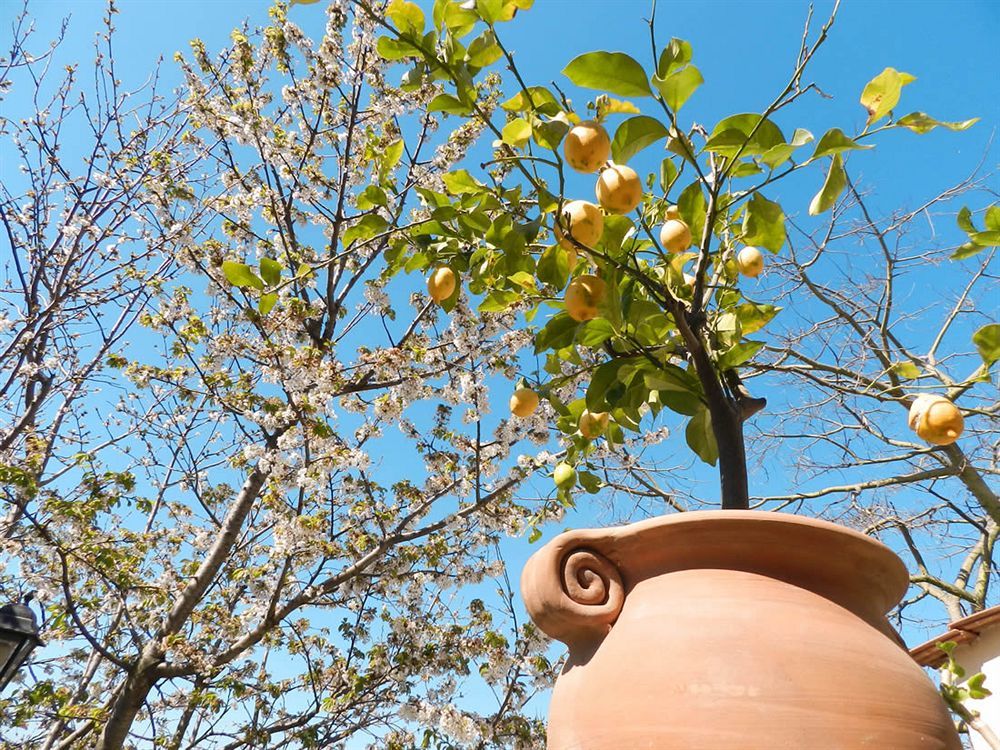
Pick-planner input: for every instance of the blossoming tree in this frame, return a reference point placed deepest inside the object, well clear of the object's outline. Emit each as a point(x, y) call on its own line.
point(253, 493)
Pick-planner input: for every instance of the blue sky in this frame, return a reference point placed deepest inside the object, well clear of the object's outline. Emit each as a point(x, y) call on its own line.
point(745, 51)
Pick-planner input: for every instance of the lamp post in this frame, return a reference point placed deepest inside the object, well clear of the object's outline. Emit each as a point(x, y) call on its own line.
point(18, 638)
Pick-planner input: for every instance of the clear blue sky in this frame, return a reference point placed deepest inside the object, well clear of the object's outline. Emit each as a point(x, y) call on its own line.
point(744, 49)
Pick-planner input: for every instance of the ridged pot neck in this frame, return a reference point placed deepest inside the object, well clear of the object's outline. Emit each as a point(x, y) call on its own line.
point(576, 584)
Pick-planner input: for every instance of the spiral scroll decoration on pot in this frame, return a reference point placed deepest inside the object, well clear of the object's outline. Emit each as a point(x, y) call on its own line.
point(573, 594)
point(590, 579)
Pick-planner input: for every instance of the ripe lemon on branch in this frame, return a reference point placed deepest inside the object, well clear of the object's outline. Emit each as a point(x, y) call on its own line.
point(524, 402)
point(675, 236)
point(587, 146)
point(441, 284)
point(583, 295)
point(581, 221)
point(936, 419)
point(750, 261)
point(619, 189)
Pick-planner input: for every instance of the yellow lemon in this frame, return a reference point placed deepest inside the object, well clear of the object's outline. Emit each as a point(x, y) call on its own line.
point(583, 295)
point(587, 146)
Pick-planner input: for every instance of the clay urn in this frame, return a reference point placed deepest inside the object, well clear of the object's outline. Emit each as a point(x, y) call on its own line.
point(730, 630)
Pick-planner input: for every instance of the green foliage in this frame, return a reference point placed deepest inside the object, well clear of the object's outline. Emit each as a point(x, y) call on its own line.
point(678, 81)
point(833, 186)
point(635, 357)
point(635, 134)
point(744, 135)
point(834, 142)
point(952, 690)
point(700, 437)
point(978, 240)
point(241, 276)
point(882, 93)
point(987, 341)
point(613, 72)
point(921, 122)
point(764, 224)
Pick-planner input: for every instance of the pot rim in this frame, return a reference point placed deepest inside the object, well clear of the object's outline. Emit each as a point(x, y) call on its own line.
point(575, 586)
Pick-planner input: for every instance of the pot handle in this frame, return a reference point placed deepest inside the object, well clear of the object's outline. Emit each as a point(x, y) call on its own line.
point(572, 592)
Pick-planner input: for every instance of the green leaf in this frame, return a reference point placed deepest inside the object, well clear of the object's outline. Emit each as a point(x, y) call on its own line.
point(614, 72)
point(881, 94)
point(537, 98)
point(905, 370)
point(678, 86)
point(966, 251)
point(267, 302)
point(764, 224)
point(271, 271)
point(396, 49)
point(368, 227)
point(499, 300)
point(553, 267)
point(987, 341)
point(550, 134)
point(517, 132)
point(779, 154)
point(992, 218)
point(490, 11)
point(986, 239)
point(390, 158)
point(669, 377)
point(590, 482)
point(964, 220)
point(595, 332)
point(668, 174)
point(836, 181)
point(602, 381)
point(406, 16)
point(461, 182)
point(447, 103)
point(921, 122)
point(693, 207)
point(681, 145)
point(524, 280)
point(700, 437)
point(372, 196)
point(240, 275)
point(833, 142)
point(977, 691)
point(675, 56)
point(558, 333)
point(733, 132)
point(484, 50)
point(749, 168)
point(635, 134)
point(753, 317)
point(459, 21)
point(739, 354)
point(609, 106)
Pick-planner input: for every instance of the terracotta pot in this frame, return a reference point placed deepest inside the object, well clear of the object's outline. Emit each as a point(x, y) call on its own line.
point(730, 630)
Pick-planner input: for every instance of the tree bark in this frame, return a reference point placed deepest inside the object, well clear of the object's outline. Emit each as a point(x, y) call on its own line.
point(144, 674)
point(133, 694)
point(727, 423)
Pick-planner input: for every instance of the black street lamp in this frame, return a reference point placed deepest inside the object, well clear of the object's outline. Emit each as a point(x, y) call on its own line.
point(18, 638)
